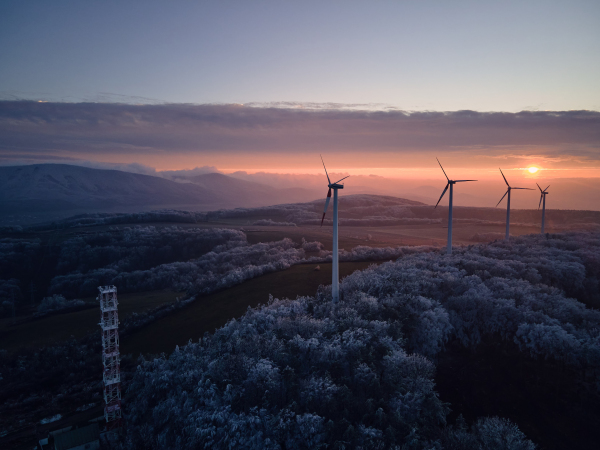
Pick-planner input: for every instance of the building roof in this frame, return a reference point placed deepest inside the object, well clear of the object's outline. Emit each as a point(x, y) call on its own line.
point(74, 438)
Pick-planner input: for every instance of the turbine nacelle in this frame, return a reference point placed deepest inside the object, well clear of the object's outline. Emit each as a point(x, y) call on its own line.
point(450, 182)
point(331, 186)
point(543, 191)
point(510, 188)
point(542, 194)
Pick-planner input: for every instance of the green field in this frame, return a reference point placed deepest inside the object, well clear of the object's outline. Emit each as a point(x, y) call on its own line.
point(213, 311)
point(59, 327)
point(205, 314)
point(220, 307)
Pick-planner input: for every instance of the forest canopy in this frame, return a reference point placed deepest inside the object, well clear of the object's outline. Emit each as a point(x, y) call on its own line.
point(305, 373)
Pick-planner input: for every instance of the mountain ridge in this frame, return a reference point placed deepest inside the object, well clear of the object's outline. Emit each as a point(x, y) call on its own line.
point(36, 192)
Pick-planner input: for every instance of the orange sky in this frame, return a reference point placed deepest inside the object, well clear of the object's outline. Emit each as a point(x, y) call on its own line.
point(402, 165)
point(392, 144)
point(422, 166)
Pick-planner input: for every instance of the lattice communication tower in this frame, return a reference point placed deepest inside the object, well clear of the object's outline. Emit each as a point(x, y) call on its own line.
point(109, 321)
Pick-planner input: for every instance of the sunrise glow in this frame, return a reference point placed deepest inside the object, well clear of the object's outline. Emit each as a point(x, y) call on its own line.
point(533, 169)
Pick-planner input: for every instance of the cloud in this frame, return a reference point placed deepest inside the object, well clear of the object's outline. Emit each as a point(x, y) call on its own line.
point(80, 129)
point(131, 167)
point(31, 159)
point(181, 175)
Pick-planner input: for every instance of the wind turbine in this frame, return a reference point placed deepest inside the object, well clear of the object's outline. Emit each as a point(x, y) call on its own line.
point(451, 184)
point(508, 204)
point(543, 197)
point(335, 263)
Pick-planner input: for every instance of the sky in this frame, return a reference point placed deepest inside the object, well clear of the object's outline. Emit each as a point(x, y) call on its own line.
point(426, 55)
point(378, 87)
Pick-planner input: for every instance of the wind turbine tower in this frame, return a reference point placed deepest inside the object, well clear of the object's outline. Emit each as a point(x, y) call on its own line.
point(508, 204)
point(335, 263)
point(451, 186)
point(543, 199)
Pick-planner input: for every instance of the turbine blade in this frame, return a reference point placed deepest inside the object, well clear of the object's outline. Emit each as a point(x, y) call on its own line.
point(546, 189)
point(460, 181)
point(342, 179)
point(442, 169)
point(445, 189)
point(327, 200)
point(502, 197)
point(539, 187)
point(325, 170)
point(541, 197)
point(527, 189)
point(504, 178)
point(326, 205)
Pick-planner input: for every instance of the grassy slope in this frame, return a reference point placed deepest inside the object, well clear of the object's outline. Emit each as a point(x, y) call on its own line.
point(59, 327)
point(205, 314)
point(382, 236)
point(212, 311)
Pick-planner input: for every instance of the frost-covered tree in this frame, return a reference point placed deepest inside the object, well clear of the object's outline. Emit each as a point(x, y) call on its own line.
point(305, 373)
point(57, 303)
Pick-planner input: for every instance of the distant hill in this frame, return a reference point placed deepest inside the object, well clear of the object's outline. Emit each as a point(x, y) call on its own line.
point(42, 191)
point(357, 200)
point(54, 187)
point(250, 193)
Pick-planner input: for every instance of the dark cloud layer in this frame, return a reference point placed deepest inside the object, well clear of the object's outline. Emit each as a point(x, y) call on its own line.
point(90, 128)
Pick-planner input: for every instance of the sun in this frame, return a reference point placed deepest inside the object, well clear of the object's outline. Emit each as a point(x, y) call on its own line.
point(533, 169)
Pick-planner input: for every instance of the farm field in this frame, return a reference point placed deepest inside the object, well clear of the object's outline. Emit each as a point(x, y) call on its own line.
point(215, 310)
point(58, 327)
point(349, 236)
point(204, 315)
point(383, 236)
point(141, 244)
point(55, 328)
point(472, 392)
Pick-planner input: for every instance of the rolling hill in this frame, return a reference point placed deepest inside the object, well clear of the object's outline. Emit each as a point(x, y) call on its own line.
point(49, 191)
point(44, 187)
point(250, 193)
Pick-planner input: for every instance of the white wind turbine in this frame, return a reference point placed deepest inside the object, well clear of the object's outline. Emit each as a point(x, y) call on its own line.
point(451, 184)
point(508, 204)
point(335, 263)
point(543, 198)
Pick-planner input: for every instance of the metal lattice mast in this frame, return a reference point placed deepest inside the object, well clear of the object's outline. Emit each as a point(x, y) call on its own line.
point(109, 321)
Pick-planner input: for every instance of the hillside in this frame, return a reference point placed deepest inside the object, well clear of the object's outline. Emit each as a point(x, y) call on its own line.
point(250, 193)
point(365, 210)
point(305, 373)
point(63, 187)
point(50, 191)
point(356, 211)
point(492, 329)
